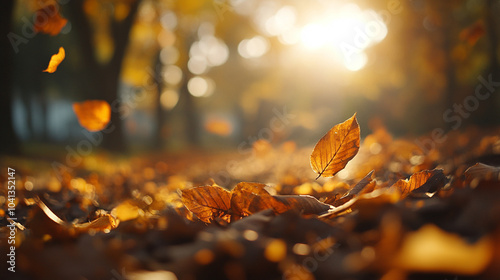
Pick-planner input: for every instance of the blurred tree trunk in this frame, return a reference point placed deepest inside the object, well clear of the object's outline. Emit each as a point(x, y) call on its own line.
point(10, 143)
point(102, 79)
point(491, 114)
point(158, 138)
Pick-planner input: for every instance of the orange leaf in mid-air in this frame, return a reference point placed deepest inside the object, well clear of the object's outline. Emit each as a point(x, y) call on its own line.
point(219, 126)
point(336, 148)
point(473, 33)
point(55, 60)
point(94, 115)
point(49, 21)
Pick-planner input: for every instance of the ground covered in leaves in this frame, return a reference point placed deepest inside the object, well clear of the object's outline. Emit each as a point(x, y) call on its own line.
point(396, 211)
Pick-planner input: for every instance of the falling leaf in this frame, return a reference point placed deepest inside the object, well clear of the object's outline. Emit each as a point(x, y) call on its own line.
point(94, 115)
point(336, 148)
point(219, 126)
point(48, 20)
point(208, 202)
point(473, 33)
point(427, 180)
point(481, 171)
point(55, 60)
point(431, 249)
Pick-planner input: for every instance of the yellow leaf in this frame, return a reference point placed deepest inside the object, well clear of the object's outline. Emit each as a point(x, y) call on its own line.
point(55, 60)
point(94, 115)
point(336, 148)
point(431, 249)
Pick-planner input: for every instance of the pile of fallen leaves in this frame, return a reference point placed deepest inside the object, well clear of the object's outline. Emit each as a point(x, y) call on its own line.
point(395, 212)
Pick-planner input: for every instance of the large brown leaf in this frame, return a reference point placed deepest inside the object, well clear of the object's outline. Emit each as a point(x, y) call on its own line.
point(336, 148)
point(208, 202)
point(249, 198)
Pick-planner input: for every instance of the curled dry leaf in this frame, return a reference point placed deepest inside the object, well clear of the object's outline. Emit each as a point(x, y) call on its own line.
point(48, 20)
point(249, 198)
point(55, 60)
point(210, 202)
point(481, 171)
point(103, 223)
point(361, 185)
point(94, 115)
point(427, 181)
point(336, 148)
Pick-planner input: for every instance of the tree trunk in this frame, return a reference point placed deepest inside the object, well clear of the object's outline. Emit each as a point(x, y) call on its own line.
point(10, 143)
point(102, 80)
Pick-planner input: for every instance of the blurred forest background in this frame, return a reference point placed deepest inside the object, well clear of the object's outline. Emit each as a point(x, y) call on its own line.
point(220, 74)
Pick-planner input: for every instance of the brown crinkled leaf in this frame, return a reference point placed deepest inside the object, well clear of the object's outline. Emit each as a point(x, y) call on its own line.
point(208, 202)
point(48, 20)
point(336, 148)
point(55, 60)
point(248, 198)
point(370, 200)
point(93, 115)
point(421, 182)
point(481, 171)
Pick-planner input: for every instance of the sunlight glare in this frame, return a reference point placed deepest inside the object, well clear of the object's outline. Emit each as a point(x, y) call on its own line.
point(313, 36)
point(201, 87)
point(347, 32)
point(169, 99)
point(356, 62)
point(254, 47)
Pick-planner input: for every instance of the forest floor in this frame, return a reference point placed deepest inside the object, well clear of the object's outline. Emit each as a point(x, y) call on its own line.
point(425, 212)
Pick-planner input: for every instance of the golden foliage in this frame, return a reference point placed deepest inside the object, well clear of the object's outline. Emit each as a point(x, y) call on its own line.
point(336, 148)
point(94, 115)
point(55, 60)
